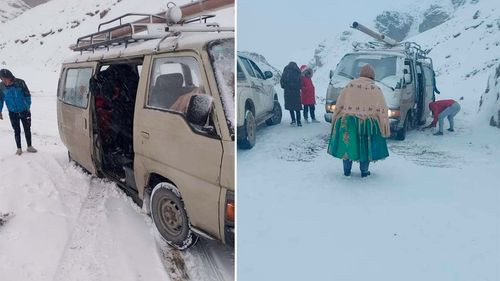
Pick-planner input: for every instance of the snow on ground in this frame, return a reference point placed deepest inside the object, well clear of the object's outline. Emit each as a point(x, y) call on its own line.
point(428, 212)
point(67, 225)
point(431, 211)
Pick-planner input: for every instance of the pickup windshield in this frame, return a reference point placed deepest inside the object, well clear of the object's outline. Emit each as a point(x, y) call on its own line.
point(222, 57)
point(384, 66)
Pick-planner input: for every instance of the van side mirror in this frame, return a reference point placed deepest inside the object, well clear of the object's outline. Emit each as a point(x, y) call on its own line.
point(268, 75)
point(407, 78)
point(331, 73)
point(199, 109)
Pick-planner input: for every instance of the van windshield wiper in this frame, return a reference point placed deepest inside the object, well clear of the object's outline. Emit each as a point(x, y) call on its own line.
point(390, 87)
point(345, 75)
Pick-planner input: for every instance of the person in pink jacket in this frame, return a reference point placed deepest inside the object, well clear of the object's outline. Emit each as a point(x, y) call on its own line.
point(307, 94)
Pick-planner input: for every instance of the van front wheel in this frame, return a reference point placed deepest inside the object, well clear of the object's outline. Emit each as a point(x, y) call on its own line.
point(401, 134)
point(170, 216)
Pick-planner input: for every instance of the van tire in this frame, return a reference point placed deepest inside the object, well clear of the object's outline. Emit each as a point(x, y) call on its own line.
point(249, 131)
point(401, 133)
point(277, 114)
point(170, 217)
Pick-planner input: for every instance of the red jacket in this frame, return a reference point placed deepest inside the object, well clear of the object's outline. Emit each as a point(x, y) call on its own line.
point(437, 107)
point(307, 91)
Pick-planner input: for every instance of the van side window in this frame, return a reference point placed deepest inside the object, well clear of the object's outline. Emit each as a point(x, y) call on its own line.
point(76, 86)
point(173, 82)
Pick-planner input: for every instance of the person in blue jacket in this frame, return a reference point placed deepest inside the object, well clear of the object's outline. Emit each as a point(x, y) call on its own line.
point(17, 97)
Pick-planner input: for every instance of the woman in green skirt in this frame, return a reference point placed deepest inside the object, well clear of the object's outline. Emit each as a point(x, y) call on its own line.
point(360, 123)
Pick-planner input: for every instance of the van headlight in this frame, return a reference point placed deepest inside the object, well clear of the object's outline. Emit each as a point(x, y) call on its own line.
point(330, 107)
point(394, 113)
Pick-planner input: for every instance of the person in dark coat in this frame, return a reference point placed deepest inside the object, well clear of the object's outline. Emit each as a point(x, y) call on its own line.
point(291, 83)
point(17, 97)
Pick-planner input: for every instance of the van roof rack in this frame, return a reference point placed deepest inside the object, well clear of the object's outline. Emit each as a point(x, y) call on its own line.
point(151, 27)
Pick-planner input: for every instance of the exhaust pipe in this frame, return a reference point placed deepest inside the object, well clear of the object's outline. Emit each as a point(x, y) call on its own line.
point(376, 35)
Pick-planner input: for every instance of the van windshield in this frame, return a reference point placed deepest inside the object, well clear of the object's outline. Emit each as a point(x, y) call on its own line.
point(384, 66)
point(222, 57)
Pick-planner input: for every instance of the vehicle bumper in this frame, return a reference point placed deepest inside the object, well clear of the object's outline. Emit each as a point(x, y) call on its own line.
point(393, 124)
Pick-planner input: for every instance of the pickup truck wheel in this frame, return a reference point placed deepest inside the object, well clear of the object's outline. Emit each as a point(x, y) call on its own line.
point(401, 134)
point(276, 119)
point(170, 216)
point(249, 129)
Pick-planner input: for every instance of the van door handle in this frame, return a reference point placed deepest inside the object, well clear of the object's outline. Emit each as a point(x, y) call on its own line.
point(145, 134)
point(85, 121)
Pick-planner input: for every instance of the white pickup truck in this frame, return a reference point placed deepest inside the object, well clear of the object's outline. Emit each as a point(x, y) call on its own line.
point(257, 101)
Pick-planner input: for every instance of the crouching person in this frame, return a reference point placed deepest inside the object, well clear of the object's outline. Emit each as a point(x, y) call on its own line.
point(15, 94)
point(443, 109)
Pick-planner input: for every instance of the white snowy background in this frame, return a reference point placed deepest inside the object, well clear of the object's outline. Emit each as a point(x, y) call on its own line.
point(64, 224)
point(431, 211)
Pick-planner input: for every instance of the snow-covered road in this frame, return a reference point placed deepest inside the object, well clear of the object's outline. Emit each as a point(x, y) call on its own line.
point(431, 211)
point(67, 225)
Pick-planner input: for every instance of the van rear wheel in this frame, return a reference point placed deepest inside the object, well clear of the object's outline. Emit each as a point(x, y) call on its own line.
point(170, 216)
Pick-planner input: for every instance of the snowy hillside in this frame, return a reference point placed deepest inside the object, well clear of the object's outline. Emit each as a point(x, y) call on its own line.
point(35, 51)
point(464, 50)
point(11, 9)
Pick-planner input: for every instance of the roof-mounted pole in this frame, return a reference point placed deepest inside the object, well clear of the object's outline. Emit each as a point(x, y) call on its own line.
point(376, 35)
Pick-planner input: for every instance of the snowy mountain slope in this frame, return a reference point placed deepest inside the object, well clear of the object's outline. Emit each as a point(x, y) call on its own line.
point(43, 35)
point(464, 49)
point(11, 9)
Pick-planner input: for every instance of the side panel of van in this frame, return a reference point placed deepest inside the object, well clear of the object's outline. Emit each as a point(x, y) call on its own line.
point(73, 112)
point(166, 144)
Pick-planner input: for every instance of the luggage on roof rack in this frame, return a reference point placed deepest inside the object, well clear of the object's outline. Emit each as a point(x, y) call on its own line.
point(149, 27)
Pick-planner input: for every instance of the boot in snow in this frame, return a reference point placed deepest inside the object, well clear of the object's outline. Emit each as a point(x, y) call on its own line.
point(438, 134)
point(19, 151)
point(31, 149)
point(315, 121)
point(451, 130)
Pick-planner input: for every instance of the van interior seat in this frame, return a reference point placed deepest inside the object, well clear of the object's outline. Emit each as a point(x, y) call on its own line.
point(168, 88)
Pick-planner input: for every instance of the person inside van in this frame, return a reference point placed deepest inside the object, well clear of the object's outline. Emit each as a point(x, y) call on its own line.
point(443, 109)
point(17, 97)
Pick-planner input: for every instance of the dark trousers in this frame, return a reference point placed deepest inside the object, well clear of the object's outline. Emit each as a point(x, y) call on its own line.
point(295, 114)
point(311, 109)
point(363, 166)
point(17, 118)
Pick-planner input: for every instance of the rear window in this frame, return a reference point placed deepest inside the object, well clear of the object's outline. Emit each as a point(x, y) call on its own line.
point(76, 87)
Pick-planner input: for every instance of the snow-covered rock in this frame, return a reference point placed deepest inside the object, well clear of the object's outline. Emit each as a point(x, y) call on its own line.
point(433, 17)
point(394, 24)
point(489, 104)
